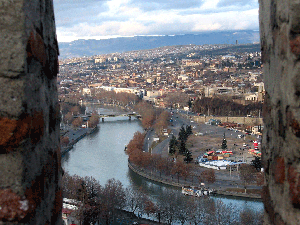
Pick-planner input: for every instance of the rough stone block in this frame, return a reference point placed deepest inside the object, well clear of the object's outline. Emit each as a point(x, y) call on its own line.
point(12, 53)
point(12, 132)
point(295, 46)
point(11, 175)
point(13, 208)
point(279, 170)
point(293, 179)
point(36, 48)
point(12, 99)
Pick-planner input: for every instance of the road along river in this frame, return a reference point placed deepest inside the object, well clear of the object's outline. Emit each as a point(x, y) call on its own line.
point(101, 155)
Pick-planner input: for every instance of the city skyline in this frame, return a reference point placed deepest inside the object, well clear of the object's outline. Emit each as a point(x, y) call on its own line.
point(103, 19)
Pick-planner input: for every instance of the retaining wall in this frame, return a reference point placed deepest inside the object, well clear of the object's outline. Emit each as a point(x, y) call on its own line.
point(176, 184)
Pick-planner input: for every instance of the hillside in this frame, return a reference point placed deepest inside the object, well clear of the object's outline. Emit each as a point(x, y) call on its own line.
point(92, 47)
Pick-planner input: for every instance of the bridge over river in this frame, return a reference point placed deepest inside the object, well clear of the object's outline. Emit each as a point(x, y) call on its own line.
point(111, 114)
point(115, 114)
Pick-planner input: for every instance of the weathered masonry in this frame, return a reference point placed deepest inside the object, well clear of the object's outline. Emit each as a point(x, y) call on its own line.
point(280, 43)
point(30, 170)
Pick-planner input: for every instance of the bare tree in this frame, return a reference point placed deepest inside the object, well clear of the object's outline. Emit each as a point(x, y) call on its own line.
point(249, 216)
point(177, 169)
point(112, 197)
point(75, 110)
point(177, 99)
point(208, 176)
point(136, 143)
point(198, 210)
point(166, 204)
point(147, 112)
point(162, 122)
point(94, 120)
point(68, 118)
point(77, 122)
point(247, 174)
point(86, 191)
point(64, 140)
point(182, 206)
point(135, 199)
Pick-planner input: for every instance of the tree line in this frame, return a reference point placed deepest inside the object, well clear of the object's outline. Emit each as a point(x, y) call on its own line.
point(152, 117)
point(166, 167)
point(120, 99)
point(102, 204)
point(70, 115)
point(224, 107)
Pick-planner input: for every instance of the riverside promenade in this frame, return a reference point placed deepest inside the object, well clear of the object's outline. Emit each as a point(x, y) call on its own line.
point(179, 182)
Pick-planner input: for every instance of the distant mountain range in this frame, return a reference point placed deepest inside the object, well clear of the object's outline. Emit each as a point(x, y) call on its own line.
point(92, 47)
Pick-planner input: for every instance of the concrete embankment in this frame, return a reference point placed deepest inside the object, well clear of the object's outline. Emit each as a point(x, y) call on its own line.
point(149, 176)
point(167, 181)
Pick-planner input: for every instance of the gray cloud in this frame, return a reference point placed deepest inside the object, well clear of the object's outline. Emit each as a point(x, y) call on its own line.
point(102, 18)
point(70, 12)
point(150, 5)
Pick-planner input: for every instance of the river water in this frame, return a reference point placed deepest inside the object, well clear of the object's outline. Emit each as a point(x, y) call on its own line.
point(101, 155)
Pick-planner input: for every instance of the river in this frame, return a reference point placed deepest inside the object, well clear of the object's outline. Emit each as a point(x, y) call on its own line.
point(101, 155)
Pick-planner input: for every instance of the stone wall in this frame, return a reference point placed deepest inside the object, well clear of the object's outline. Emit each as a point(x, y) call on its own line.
point(30, 170)
point(280, 43)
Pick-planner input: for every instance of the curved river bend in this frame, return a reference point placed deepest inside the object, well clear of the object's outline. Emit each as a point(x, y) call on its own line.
point(101, 155)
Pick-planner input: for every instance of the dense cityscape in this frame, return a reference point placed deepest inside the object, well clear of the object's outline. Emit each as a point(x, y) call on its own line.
point(187, 98)
point(130, 112)
point(210, 70)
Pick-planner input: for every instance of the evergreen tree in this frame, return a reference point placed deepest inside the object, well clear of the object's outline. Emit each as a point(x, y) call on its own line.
point(256, 163)
point(182, 147)
point(190, 104)
point(172, 145)
point(224, 143)
point(182, 134)
point(189, 130)
point(188, 156)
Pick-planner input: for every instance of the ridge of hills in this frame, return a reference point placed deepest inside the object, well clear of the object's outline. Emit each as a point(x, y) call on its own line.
point(90, 47)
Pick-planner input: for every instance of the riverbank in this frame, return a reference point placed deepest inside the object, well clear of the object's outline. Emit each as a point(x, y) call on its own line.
point(183, 182)
point(226, 183)
point(76, 135)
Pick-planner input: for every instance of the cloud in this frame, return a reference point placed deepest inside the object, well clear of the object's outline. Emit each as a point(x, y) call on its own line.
point(114, 18)
point(150, 5)
point(68, 13)
point(239, 3)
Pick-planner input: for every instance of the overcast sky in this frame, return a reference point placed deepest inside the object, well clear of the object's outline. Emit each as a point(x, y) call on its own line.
point(98, 19)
